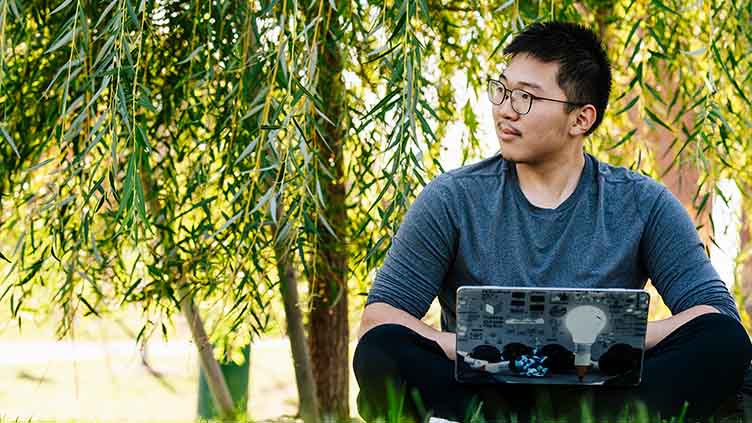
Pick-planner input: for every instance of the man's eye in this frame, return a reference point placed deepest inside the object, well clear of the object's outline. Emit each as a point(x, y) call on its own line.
point(523, 95)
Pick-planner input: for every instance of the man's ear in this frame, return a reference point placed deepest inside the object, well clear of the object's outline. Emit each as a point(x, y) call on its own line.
point(583, 120)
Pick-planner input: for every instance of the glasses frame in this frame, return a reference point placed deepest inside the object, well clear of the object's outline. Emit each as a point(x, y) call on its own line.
point(508, 94)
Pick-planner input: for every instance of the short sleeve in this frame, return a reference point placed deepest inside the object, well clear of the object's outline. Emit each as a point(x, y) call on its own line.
point(421, 252)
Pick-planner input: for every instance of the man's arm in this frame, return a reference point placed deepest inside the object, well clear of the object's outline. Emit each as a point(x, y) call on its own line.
point(381, 313)
point(677, 263)
point(660, 329)
point(416, 265)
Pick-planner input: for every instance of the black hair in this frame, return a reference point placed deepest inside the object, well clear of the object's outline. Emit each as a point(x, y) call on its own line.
point(584, 69)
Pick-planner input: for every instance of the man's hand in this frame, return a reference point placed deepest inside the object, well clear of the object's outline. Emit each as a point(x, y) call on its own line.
point(448, 342)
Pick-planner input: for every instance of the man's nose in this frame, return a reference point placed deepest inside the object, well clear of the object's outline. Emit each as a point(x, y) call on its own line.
point(505, 110)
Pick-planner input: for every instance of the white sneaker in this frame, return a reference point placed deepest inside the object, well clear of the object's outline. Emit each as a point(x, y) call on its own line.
point(440, 420)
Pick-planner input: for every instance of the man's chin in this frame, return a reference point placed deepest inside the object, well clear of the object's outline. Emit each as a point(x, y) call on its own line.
point(511, 156)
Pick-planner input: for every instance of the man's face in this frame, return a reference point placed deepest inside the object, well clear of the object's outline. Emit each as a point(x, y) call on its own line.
point(543, 133)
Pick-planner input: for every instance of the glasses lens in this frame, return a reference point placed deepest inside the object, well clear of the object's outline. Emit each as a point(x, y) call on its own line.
point(496, 92)
point(521, 101)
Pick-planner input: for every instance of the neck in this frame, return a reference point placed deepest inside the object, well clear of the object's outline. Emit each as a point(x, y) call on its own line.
point(548, 184)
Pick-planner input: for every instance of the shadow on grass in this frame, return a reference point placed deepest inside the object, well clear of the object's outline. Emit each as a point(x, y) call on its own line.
point(631, 412)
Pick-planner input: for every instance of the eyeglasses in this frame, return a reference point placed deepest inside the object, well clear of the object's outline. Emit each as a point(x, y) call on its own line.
point(522, 100)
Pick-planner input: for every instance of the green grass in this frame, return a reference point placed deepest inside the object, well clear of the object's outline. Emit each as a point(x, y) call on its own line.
point(584, 412)
point(113, 386)
point(117, 388)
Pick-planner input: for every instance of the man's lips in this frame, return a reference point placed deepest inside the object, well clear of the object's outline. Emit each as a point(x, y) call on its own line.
point(508, 131)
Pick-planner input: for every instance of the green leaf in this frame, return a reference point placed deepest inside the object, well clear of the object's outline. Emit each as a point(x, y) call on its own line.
point(316, 100)
point(502, 41)
point(65, 39)
point(104, 13)
point(264, 199)
point(327, 226)
point(106, 51)
point(663, 6)
point(132, 14)
point(425, 12)
point(637, 78)
point(720, 61)
point(122, 106)
point(125, 199)
point(382, 104)
point(624, 139)
point(635, 50)
point(192, 55)
point(68, 66)
point(653, 117)
point(198, 205)
point(142, 139)
point(226, 225)
point(425, 127)
point(14, 9)
point(399, 27)
point(628, 106)
point(38, 165)
point(88, 306)
point(632, 32)
point(62, 6)
point(141, 201)
point(2, 256)
point(246, 151)
point(9, 140)
point(32, 271)
point(381, 52)
point(654, 92)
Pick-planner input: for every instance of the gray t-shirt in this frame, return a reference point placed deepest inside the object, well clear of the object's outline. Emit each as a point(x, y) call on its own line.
point(474, 226)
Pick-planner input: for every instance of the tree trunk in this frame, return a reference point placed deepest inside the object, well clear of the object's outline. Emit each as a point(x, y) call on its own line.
point(301, 357)
point(329, 332)
point(214, 378)
point(745, 248)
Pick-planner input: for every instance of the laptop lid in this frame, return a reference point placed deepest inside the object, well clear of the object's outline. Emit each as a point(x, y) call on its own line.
point(550, 335)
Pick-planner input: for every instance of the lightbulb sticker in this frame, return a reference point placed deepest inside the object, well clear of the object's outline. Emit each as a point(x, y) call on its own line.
point(584, 323)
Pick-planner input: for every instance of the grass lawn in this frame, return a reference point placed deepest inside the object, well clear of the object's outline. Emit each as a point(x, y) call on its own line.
point(100, 377)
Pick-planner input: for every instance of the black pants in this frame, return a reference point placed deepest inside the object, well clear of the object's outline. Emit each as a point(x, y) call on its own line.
point(702, 363)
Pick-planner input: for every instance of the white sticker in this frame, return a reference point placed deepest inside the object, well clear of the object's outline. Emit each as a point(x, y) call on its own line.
point(489, 309)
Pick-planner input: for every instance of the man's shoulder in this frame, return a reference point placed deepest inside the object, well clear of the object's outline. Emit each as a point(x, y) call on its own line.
point(454, 187)
point(620, 178)
point(490, 168)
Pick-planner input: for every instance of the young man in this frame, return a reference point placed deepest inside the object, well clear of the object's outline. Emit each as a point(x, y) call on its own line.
point(544, 213)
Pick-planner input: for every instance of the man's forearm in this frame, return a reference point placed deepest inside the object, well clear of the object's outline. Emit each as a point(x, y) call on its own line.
point(660, 329)
point(381, 313)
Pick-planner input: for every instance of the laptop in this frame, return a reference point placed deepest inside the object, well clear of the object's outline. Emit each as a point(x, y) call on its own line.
point(562, 336)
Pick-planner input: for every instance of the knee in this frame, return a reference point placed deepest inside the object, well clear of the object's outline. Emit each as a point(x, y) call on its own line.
point(728, 331)
point(377, 352)
point(728, 337)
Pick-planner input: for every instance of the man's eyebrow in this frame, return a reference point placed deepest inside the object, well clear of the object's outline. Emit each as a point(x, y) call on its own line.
point(523, 83)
